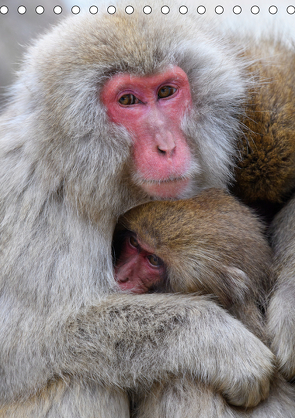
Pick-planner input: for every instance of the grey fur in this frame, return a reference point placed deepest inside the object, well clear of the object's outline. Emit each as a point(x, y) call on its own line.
point(70, 345)
point(281, 313)
point(187, 398)
point(211, 245)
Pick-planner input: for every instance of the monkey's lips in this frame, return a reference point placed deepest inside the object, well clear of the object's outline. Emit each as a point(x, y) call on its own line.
point(167, 189)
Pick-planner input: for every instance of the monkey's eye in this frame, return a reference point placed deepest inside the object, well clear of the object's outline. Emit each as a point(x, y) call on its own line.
point(166, 91)
point(133, 242)
point(128, 100)
point(154, 260)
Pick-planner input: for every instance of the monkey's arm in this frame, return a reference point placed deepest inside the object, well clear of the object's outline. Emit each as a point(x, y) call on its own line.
point(185, 334)
point(128, 339)
point(58, 319)
point(281, 311)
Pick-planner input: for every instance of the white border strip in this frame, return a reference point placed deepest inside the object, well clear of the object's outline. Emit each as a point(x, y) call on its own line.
point(147, 10)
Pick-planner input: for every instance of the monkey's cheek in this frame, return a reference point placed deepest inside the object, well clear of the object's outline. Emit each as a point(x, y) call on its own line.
point(167, 190)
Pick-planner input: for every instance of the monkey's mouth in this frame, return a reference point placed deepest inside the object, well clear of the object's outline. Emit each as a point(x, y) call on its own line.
point(166, 189)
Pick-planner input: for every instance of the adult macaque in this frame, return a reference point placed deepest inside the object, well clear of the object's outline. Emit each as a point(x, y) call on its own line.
point(109, 112)
point(281, 312)
point(212, 245)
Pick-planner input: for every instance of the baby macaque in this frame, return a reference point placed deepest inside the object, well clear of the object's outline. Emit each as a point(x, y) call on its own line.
point(210, 244)
point(213, 245)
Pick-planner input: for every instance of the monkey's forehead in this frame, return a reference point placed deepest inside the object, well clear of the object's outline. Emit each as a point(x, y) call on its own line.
point(129, 43)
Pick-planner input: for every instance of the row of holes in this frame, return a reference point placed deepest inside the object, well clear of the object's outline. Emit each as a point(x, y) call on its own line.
point(147, 10)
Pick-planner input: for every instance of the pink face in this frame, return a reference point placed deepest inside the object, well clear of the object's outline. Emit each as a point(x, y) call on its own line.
point(138, 269)
point(151, 109)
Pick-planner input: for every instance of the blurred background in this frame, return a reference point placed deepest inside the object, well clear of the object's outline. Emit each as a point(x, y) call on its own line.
point(16, 30)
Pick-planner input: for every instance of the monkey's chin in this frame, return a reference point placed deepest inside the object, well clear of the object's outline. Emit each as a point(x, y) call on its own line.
point(174, 189)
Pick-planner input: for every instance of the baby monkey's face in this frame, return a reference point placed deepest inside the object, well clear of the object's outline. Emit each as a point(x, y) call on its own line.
point(137, 268)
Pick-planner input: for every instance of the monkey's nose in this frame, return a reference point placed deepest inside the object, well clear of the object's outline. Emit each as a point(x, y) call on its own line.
point(165, 144)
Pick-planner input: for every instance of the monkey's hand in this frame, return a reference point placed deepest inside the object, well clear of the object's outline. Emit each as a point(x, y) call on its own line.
point(281, 328)
point(131, 340)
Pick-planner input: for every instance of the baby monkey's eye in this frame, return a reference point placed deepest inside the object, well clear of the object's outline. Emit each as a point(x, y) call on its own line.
point(154, 260)
point(166, 91)
point(133, 242)
point(128, 100)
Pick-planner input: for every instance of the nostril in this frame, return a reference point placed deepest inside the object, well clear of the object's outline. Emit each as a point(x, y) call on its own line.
point(161, 151)
point(169, 152)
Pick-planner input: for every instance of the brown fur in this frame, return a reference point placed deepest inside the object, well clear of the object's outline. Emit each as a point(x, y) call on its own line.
point(212, 245)
point(265, 170)
point(70, 344)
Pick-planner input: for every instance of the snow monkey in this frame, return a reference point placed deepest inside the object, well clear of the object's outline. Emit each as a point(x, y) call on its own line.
point(108, 112)
point(210, 244)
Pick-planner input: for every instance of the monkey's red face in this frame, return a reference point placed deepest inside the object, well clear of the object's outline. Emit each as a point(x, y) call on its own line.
point(138, 269)
point(151, 109)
